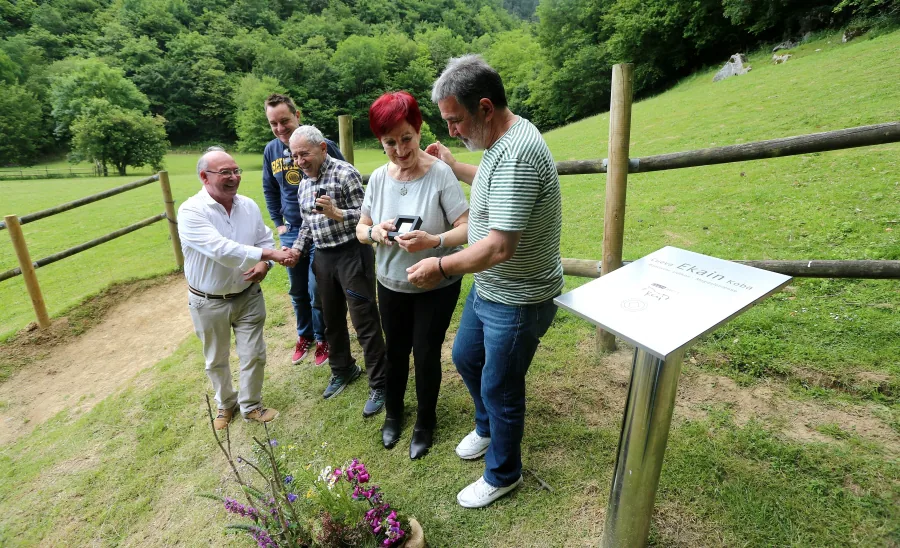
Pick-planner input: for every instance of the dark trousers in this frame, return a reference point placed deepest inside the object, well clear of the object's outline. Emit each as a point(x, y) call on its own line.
point(415, 322)
point(346, 279)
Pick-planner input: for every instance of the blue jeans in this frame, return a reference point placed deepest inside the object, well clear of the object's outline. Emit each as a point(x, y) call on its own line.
point(304, 292)
point(493, 349)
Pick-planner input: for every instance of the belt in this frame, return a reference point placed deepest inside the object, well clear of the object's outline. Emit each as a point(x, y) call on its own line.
point(211, 296)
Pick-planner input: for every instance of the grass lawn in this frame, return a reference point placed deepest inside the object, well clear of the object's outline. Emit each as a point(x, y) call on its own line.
point(127, 472)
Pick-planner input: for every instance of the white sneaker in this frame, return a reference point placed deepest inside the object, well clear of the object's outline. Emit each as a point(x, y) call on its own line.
point(482, 493)
point(472, 446)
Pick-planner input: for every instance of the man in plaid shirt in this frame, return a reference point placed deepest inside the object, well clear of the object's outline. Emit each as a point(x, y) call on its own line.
point(330, 196)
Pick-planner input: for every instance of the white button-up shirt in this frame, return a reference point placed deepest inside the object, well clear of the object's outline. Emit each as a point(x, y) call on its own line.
point(219, 247)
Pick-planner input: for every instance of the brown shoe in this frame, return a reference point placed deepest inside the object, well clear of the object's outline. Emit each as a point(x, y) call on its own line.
point(261, 414)
point(223, 418)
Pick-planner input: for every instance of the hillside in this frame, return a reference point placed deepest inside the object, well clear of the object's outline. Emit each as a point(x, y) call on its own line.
point(787, 428)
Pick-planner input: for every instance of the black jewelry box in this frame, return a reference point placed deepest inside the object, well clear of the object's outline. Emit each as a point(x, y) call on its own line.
point(404, 224)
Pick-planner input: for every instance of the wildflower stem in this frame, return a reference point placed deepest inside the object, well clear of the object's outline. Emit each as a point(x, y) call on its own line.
point(226, 452)
point(275, 482)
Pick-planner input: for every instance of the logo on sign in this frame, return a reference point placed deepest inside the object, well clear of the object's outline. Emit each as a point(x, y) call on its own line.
point(634, 305)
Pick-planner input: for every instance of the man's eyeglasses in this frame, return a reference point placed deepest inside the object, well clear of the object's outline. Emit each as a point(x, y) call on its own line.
point(227, 172)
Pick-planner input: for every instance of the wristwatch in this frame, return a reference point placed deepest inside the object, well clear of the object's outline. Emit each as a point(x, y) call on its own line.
point(270, 264)
point(370, 233)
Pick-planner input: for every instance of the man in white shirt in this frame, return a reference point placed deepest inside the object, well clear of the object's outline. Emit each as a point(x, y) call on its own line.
point(227, 252)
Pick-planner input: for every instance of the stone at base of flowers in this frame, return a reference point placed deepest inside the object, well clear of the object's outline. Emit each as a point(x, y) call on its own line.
point(415, 537)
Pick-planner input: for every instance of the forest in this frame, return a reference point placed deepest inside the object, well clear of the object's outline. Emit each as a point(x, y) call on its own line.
point(85, 75)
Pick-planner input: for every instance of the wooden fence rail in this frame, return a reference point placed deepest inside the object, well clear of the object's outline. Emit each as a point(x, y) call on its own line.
point(861, 136)
point(871, 270)
point(50, 259)
point(31, 217)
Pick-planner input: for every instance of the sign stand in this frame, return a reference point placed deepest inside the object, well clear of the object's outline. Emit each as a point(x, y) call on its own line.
point(660, 304)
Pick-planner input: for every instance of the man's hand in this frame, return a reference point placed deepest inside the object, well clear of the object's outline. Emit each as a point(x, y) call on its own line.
point(379, 232)
point(257, 273)
point(438, 150)
point(417, 240)
point(425, 274)
point(328, 208)
point(285, 256)
point(281, 229)
point(293, 257)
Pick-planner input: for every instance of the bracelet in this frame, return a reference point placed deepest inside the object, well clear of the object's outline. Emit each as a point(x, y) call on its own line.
point(441, 268)
point(371, 239)
point(440, 242)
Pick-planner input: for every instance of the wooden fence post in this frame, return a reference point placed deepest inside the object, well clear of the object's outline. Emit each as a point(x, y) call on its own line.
point(345, 136)
point(616, 179)
point(171, 218)
point(31, 281)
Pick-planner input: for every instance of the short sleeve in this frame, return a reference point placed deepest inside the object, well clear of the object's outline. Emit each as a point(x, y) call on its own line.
point(453, 199)
point(515, 187)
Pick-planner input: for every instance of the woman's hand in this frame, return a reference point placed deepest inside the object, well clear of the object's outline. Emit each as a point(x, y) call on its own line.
point(380, 232)
point(416, 241)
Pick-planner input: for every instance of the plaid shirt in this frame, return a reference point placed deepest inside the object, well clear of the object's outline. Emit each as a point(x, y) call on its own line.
point(343, 184)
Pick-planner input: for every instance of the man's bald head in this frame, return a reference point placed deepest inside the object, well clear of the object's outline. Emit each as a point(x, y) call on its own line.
point(211, 152)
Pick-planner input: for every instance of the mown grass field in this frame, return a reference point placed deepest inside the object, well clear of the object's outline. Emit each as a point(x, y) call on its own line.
point(127, 472)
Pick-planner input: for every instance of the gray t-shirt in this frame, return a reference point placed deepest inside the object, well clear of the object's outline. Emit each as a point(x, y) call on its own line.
point(436, 197)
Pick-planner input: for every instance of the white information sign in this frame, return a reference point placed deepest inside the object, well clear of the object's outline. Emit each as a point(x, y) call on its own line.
point(670, 298)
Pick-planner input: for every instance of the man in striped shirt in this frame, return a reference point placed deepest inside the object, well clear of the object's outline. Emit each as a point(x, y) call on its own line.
point(515, 221)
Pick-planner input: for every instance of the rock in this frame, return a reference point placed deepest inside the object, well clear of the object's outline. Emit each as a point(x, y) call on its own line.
point(734, 67)
point(778, 59)
point(852, 33)
point(787, 44)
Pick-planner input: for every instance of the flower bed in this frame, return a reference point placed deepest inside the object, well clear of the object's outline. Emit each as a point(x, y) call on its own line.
point(305, 503)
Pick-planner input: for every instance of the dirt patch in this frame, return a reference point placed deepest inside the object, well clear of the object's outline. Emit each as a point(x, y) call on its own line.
point(74, 373)
point(768, 402)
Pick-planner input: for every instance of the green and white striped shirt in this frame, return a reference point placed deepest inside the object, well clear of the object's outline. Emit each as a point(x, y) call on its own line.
point(516, 189)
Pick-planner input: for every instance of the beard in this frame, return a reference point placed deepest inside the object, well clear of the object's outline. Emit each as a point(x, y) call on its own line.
point(477, 137)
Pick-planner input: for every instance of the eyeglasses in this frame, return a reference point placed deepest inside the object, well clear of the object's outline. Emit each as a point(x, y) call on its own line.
point(227, 172)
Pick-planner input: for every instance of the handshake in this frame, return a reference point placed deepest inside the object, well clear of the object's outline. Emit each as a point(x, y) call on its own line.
point(285, 257)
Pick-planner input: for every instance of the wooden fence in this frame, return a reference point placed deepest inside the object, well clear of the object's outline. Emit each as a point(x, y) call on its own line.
point(47, 173)
point(27, 268)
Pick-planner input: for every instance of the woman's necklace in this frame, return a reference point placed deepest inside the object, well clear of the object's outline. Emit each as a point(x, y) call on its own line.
point(404, 179)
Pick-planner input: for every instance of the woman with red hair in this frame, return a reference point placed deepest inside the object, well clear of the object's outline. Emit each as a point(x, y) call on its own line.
point(411, 184)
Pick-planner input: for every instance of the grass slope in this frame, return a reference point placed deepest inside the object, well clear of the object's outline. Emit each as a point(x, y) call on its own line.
point(127, 472)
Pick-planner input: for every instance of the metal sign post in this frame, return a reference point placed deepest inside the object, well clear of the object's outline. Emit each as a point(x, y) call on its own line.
point(660, 304)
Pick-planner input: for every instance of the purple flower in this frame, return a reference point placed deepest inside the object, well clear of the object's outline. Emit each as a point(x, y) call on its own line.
point(239, 459)
point(273, 443)
point(291, 497)
point(288, 479)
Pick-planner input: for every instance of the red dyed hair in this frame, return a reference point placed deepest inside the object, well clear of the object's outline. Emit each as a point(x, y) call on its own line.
point(392, 108)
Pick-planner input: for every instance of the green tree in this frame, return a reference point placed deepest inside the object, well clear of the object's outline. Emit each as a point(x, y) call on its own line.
point(110, 135)
point(20, 126)
point(251, 124)
point(87, 79)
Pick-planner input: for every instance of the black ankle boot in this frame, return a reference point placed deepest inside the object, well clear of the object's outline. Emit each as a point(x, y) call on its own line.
point(390, 432)
point(422, 438)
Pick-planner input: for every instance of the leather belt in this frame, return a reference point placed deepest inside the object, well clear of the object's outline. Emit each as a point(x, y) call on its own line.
point(211, 296)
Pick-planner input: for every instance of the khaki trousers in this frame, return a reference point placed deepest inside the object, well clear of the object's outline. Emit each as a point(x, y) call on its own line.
point(214, 319)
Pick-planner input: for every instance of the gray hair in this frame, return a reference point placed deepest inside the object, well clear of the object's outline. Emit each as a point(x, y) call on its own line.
point(311, 134)
point(469, 78)
point(203, 162)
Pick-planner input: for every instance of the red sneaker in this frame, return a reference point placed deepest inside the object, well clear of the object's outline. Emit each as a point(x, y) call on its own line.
point(301, 350)
point(321, 353)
